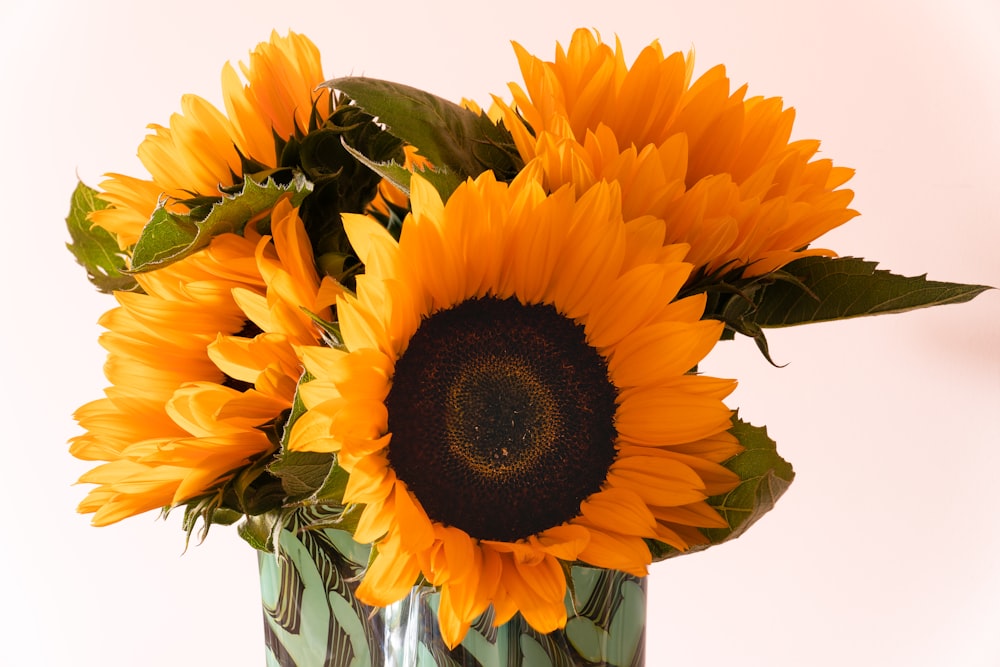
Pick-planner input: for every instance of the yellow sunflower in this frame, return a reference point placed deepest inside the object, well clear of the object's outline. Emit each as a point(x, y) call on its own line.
point(197, 364)
point(199, 152)
point(717, 166)
point(516, 393)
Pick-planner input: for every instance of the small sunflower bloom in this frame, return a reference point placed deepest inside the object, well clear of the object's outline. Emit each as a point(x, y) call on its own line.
point(201, 150)
point(198, 362)
point(718, 166)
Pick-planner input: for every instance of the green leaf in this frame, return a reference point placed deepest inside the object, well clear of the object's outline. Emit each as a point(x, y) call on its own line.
point(817, 289)
point(438, 127)
point(453, 138)
point(95, 249)
point(332, 490)
point(764, 476)
point(169, 237)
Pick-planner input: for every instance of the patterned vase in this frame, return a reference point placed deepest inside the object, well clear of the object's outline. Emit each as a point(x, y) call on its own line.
point(312, 619)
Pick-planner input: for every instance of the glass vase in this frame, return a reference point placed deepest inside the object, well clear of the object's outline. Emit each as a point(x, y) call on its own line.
point(312, 618)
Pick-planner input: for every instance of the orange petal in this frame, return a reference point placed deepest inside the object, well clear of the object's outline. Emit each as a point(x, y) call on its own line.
point(666, 416)
point(390, 576)
point(415, 530)
point(619, 509)
point(618, 552)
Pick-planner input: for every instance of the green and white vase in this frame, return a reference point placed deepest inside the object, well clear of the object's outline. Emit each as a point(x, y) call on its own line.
point(312, 619)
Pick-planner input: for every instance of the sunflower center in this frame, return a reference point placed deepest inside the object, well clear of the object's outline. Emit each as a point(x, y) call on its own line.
point(501, 417)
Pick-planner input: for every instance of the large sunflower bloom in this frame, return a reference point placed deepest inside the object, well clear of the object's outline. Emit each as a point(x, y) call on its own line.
point(516, 393)
point(200, 151)
point(197, 363)
point(717, 166)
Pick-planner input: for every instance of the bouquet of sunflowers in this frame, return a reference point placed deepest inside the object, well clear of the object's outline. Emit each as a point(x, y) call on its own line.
point(466, 340)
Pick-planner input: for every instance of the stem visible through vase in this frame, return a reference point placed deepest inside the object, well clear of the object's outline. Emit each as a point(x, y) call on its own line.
point(312, 618)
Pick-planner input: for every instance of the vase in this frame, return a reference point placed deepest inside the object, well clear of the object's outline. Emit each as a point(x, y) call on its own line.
point(313, 619)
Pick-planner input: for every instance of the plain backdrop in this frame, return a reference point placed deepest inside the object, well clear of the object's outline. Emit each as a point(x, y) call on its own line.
point(884, 550)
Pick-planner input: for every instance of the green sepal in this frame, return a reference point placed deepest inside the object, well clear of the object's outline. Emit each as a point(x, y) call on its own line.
point(334, 485)
point(169, 237)
point(209, 510)
point(764, 477)
point(818, 289)
point(451, 137)
point(727, 301)
point(259, 531)
point(94, 248)
point(330, 331)
point(443, 180)
point(251, 492)
point(301, 473)
point(306, 477)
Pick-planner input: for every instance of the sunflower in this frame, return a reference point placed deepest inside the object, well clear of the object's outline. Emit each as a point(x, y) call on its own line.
point(717, 166)
point(516, 393)
point(198, 363)
point(202, 150)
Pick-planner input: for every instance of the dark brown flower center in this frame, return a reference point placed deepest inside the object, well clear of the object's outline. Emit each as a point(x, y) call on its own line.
point(502, 418)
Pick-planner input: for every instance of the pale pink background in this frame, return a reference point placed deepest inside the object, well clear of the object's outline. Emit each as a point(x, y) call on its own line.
point(883, 552)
